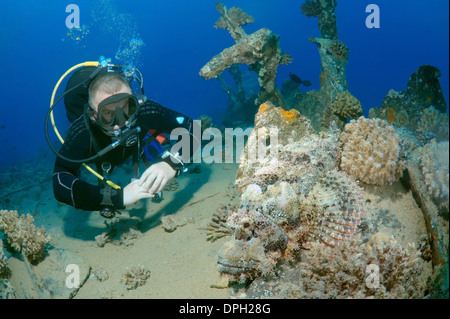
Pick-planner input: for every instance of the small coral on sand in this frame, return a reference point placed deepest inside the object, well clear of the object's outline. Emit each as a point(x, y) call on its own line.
point(22, 235)
point(136, 276)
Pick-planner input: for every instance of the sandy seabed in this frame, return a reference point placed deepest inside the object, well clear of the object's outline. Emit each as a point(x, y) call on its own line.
point(182, 262)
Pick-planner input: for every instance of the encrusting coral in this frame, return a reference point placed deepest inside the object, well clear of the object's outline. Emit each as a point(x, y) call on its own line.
point(370, 151)
point(22, 234)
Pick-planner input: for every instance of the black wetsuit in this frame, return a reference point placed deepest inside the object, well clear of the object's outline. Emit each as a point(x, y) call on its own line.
point(78, 144)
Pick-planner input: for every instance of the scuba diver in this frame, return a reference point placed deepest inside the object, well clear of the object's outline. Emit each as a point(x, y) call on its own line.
point(113, 126)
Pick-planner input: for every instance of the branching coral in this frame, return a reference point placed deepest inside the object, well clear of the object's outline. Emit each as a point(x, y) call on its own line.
point(345, 105)
point(22, 235)
point(370, 151)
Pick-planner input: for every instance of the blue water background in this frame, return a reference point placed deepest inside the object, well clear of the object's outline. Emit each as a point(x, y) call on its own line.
point(180, 38)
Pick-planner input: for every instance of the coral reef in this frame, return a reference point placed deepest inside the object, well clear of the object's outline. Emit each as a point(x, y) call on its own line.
point(324, 10)
point(275, 224)
point(370, 151)
point(261, 50)
point(290, 197)
point(136, 276)
point(344, 272)
point(22, 235)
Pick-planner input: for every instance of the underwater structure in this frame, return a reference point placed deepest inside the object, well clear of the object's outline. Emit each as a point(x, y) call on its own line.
point(241, 107)
point(260, 50)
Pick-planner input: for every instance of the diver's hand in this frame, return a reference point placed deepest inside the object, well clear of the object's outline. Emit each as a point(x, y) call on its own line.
point(156, 177)
point(134, 192)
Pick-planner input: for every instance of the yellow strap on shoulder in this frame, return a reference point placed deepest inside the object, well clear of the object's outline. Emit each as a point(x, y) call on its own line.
point(88, 63)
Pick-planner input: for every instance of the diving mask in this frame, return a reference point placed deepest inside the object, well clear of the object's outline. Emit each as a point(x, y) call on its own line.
point(115, 110)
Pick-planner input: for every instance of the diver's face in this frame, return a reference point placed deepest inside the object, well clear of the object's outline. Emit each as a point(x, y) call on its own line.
point(108, 110)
